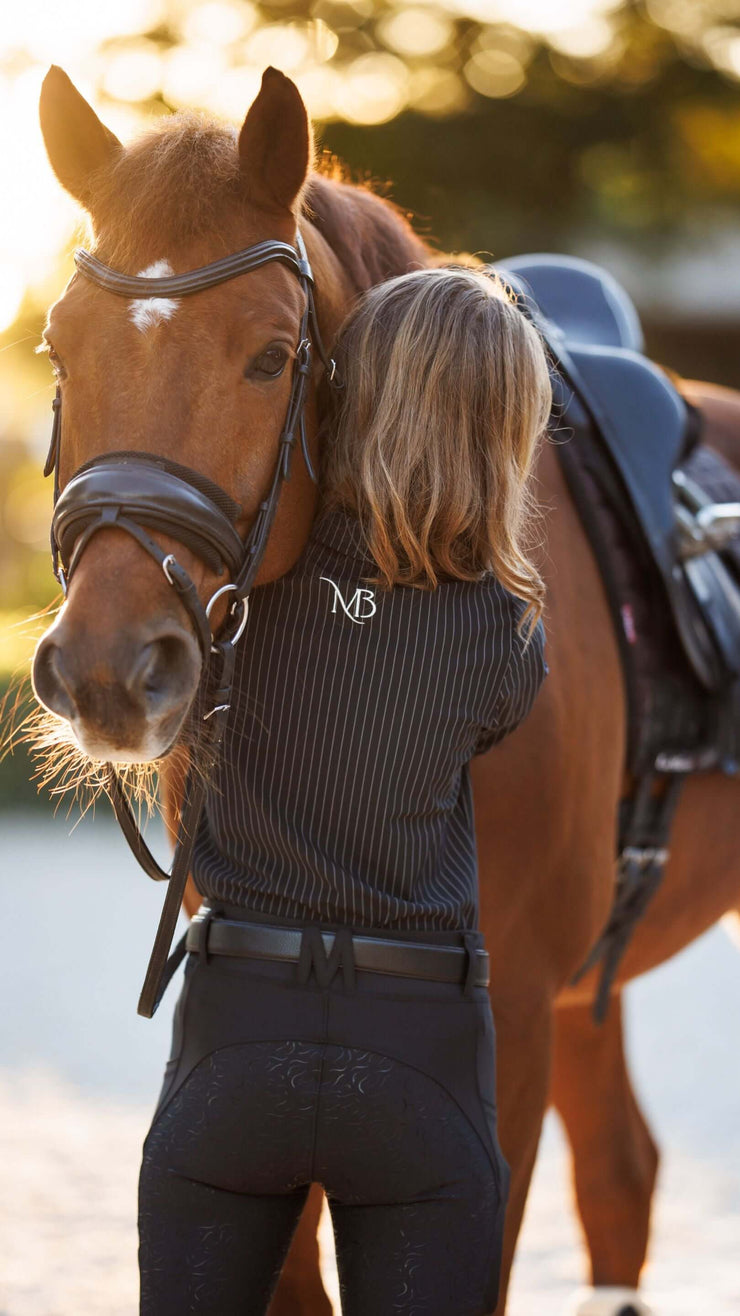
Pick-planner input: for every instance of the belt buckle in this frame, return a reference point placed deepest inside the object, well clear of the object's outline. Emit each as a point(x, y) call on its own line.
point(203, 930)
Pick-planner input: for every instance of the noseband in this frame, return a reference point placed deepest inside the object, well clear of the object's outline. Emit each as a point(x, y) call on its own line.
point(140, 491)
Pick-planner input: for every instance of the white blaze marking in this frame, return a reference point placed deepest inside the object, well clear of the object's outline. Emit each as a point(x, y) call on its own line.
point(147, 311)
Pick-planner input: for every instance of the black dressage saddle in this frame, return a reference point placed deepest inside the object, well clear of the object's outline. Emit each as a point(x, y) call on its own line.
point(604, 382)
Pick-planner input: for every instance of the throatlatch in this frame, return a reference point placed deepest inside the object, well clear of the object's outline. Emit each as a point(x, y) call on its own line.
point(142, 491)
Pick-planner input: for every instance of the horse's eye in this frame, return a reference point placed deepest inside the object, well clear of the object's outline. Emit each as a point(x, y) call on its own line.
point(270, 363)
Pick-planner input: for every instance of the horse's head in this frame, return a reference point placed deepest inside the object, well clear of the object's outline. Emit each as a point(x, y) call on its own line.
point(203, 381)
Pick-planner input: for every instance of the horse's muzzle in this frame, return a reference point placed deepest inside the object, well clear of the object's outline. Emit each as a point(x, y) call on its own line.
point(125, 703)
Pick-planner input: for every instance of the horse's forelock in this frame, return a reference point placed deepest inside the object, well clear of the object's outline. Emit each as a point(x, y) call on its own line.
point(183, 181)
point(178, 182)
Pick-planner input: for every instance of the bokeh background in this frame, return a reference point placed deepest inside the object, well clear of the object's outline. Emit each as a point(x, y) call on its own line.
point(606, 128)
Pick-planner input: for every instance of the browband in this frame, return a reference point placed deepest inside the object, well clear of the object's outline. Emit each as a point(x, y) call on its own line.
point(206, 276)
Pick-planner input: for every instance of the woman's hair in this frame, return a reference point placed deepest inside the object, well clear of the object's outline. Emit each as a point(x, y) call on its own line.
point(446, 394)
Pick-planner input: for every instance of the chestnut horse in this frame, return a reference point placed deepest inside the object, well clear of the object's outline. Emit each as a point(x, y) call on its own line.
point(121, 663)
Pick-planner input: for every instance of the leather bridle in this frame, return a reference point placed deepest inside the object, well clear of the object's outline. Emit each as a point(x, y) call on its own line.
point(141, 491)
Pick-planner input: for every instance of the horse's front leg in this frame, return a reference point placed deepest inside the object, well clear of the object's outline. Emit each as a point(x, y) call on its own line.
point(615, 1160)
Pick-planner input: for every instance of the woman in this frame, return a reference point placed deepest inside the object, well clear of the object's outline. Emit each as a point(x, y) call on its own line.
point(334, 1024)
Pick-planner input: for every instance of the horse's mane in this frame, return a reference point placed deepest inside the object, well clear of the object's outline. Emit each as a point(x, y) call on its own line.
point(181, 181)
point(371, 237)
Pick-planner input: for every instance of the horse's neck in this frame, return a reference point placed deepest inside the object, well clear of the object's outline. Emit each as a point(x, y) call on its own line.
point(369, 237)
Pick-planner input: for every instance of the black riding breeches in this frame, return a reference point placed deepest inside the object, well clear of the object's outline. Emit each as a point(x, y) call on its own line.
point(382, 1092)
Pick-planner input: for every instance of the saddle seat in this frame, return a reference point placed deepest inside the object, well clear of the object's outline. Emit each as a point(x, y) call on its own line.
point(586, 302)
point(605, 384)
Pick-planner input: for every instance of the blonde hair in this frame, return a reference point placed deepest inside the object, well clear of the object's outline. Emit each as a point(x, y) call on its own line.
point(446, 394)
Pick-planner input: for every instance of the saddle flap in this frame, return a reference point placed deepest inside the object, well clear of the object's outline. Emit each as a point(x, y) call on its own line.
point(643, 422)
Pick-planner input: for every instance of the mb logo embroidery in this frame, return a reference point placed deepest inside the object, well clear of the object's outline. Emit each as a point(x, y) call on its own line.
point(360, 607)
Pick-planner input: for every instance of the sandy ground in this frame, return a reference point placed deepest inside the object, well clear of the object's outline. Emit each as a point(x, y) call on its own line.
point(79, 1071)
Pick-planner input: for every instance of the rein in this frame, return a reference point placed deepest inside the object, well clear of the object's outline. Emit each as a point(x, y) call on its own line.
point(142, 491)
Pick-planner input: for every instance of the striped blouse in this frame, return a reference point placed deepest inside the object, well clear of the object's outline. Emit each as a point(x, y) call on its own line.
point(343, 793)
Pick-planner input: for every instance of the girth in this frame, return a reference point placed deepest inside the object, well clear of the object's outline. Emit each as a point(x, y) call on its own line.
point(138, 492)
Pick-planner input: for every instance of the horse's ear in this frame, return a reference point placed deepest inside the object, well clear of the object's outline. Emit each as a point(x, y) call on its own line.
point(275, 144)
point(77, 143)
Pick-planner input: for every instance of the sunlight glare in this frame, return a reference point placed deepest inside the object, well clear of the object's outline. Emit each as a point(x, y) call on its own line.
point(134, 74)
point(234, 92)
point(436, 91)
point(190, 74)
point(37, 217)
point(283, 44)
point(683, 16)
point(55, 33)
point(585, 41)
point(319, 88)
point(541, 16)
point(495, 73)
point(416, 32)
point(219, 24)
point(12, 288)
point(722, 44)
point(505, 38)
point(375, 89)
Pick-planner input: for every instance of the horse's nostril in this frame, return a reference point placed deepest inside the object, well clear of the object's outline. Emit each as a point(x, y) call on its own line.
point(50, 682)
point(149, 673)
point(164, 672)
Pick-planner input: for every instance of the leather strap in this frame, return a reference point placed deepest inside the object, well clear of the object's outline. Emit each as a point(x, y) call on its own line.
point(183, 285)
point(160, 969)
point(138, 488)
point(209, 276)
point(399, 959)
point(154, 987)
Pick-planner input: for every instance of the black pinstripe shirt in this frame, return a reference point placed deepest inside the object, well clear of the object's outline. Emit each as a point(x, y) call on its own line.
point(343, 793)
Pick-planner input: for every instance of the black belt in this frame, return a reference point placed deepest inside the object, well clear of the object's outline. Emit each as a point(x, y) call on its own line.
point(401, 959)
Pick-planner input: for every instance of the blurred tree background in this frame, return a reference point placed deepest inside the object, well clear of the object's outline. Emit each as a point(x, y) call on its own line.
point(608, 128)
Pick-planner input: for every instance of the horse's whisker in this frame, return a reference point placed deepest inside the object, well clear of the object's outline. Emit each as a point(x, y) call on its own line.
point(62, 769)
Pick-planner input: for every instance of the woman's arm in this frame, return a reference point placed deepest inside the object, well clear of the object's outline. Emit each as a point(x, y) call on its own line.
point(525, 671)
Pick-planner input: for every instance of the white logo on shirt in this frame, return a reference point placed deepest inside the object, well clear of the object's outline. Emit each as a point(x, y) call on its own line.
point(360, 607)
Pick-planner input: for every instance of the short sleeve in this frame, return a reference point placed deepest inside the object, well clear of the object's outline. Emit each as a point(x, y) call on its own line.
point(520, 685)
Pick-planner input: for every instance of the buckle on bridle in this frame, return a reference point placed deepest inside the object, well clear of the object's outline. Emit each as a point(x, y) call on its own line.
point(167, 562)
point(303, 356)
point(242, 599)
